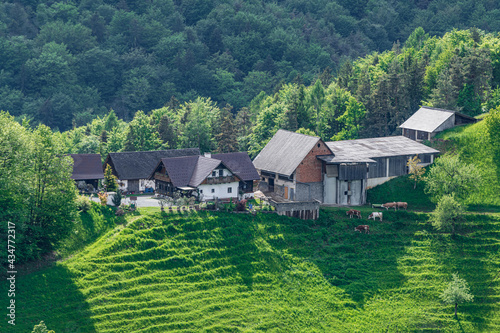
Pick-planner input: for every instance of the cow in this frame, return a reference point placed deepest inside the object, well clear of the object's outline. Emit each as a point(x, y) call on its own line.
point(363, 228)
point(354, 212)
point(390, 205)
point(374, 215)
point(402, 205)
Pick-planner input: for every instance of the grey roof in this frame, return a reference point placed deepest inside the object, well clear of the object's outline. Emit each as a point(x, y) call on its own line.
point(284, 152)
point(140, 164)
point(240, 164)
point(190, 171)
point(87, 167)
point(428, 119)
point(363, 150)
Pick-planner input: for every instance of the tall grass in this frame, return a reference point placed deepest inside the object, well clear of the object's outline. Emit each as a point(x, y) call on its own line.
point(221, 272)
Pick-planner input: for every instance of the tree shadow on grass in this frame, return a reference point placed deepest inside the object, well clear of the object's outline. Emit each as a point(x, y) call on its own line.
point(51, 295)
point(360, 264)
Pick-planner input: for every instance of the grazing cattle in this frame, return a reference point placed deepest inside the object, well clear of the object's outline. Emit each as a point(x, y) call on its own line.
point(402, 205)
point(390, 205)
point(363, 228)
point(374, 215)
point(354, 212)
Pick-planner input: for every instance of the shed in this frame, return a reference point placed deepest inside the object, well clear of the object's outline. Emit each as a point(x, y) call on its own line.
point(87, 170)
point(427, 122)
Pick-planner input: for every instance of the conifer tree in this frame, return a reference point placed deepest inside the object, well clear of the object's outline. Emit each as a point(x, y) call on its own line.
point(225, 134)
point(110, 180)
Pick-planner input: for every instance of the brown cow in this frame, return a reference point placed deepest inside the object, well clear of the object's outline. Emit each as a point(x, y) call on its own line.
point(390, 205)
point(402, 205)
point(354, 212)
point(362, 228)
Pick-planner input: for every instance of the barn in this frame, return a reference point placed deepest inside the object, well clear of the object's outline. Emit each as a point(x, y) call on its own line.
point(427, 122)
point(132, 169)
point(298, 167)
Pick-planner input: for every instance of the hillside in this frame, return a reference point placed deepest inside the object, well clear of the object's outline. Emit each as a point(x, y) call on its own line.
point(224, 272)
point(66, 62)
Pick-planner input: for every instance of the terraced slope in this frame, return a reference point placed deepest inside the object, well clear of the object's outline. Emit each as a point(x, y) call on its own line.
point(242, 273)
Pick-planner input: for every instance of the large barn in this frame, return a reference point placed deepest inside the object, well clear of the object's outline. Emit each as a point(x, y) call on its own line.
point(427, 122)
point(299, 167)
point(132, 169)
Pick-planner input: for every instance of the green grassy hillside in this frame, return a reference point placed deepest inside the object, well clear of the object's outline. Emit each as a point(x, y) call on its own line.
point(222, 272)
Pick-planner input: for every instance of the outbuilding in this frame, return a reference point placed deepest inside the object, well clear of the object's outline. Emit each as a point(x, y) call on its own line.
point(427, 122)
point(133, 169)
point(87, 171)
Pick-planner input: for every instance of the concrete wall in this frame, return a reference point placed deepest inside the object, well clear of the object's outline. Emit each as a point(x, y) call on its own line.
point(372, 182)
point(309, 191)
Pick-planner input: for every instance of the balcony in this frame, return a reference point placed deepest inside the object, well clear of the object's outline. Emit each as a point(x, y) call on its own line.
point(221, 180)
point(162, 177)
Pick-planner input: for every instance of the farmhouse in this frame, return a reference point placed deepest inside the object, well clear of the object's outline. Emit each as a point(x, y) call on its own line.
point(427, 121)
point(132, 169)
point(87, 171)
point(221, 176)
point(299, 167)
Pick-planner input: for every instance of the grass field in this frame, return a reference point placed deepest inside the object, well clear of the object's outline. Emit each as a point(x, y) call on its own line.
point(222, 272)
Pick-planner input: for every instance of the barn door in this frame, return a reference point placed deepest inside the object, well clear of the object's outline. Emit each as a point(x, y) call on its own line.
point(286, 192)
point(344, 192)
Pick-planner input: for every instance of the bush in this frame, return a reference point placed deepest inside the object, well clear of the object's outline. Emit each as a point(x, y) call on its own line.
point(117, 199)
point(120, 212)
point(83, 203)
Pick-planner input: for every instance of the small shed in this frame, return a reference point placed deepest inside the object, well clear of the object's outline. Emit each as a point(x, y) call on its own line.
point(427, 122)
point(87, 171)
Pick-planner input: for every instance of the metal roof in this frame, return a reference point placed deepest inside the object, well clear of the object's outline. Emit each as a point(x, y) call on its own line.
point(87, 167)
point(284, 152)
point(363, 150)
point(427, 119)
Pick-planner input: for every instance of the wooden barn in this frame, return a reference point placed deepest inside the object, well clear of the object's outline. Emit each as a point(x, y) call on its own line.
point(87, 171)
point(134, 168)
point(427, 122)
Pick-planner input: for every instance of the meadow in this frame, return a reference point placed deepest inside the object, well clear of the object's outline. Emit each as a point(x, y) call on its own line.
point(227, 272)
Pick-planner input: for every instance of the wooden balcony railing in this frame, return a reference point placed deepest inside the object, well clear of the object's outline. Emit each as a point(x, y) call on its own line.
point(162, 177)
point(221, 180)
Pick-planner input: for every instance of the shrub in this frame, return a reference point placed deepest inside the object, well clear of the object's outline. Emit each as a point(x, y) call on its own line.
point(120, 212)
point(117, 198)
point(103, 196)
point(83, 203)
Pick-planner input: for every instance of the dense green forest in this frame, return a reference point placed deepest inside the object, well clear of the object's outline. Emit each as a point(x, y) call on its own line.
point(62, 63)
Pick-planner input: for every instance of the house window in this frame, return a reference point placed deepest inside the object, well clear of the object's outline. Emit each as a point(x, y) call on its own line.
point(229, 190)
point(214, 173)
point(201, 191)
point(221, 173)
point(213, 190)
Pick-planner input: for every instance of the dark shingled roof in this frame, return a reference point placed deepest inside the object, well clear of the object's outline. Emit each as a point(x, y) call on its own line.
point(140, 164)
point(87, 167)
point(240, 164)
point(190, 171)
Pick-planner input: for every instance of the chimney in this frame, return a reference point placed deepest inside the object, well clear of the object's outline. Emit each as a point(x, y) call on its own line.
point(208, 155)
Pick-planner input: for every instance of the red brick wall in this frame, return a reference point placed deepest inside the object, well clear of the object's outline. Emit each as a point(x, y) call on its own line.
point(310, 169)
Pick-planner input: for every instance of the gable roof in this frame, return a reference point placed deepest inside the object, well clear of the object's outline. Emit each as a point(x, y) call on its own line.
point(139, 164)
point(429, 119)
point(87, 166)
point(364, 150)
point(190, 171)
point(240, 164)
point(284, 152)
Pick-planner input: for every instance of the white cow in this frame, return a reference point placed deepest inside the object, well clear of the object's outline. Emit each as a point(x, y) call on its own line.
point(375, 215)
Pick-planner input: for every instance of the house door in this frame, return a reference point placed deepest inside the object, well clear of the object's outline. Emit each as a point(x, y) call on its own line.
point(286, 192)
point(344, 192)
point(356, 192)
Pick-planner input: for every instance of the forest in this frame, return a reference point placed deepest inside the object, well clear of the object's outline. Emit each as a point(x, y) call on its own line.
point(65, 63)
